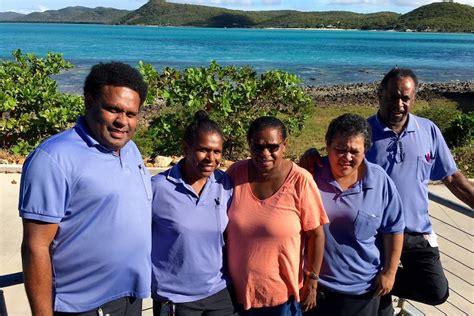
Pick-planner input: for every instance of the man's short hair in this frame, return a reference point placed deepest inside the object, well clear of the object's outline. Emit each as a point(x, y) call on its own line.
point(114, 74)
point(398, 73)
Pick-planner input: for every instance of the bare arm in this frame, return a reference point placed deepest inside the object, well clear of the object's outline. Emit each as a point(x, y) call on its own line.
point(393, 244)
point(461, 187)
point(314, 255)
point(37, 270)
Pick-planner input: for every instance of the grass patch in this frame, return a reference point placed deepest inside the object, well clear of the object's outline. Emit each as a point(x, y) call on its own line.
point(315, 127)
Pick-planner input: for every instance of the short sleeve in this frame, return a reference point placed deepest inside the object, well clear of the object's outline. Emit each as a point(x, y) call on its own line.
point(392, 218)
point(236, 171)
point(312, 210)
point(44, 189)
point(444, 164)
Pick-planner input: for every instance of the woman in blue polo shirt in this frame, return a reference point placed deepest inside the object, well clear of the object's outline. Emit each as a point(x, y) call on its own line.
point(190, 203)
point(365, 235)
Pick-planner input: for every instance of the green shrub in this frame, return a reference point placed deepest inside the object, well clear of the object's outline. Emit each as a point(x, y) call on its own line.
point(441, 113)
point(31, 108)
point(464, 157)
point(232, 96)
point(461, 131)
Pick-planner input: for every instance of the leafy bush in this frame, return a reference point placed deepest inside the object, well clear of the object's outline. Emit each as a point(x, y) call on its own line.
point(461, 130)
point(464, 157)
point(232, 96)
point(31, 108)
point(456, 127)
point(440, 113)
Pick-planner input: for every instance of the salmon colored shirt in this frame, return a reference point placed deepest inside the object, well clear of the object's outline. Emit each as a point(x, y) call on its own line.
point(265, 236)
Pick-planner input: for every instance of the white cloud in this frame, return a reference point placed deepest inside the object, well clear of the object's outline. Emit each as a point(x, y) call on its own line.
point(41, 8)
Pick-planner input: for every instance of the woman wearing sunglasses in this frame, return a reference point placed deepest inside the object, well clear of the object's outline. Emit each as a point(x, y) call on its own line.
point(276, 212)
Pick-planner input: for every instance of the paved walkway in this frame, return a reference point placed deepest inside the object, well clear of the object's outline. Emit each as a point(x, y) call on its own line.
point(452, 222)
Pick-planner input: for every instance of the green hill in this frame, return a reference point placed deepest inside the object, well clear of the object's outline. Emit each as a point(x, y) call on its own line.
point(9, 16)
point(159, 12)
point(439, 17)
point(435, 17)
point(75, 15)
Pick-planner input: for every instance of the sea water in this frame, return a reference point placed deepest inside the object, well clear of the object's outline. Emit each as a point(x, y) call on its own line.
point(318, 57)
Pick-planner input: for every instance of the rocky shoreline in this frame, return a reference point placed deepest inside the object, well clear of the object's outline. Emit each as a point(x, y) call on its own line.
point(366, 93)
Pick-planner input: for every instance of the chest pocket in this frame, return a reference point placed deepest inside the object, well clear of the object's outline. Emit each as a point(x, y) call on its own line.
point(423, 169)
point(365, 225)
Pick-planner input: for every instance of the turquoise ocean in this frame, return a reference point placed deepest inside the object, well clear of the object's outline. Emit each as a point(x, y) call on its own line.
point(318, 57)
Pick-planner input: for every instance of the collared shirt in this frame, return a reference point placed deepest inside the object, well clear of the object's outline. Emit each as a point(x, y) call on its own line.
point(358, 217)
point(187, 247)
point(411, 159)
point(102, 203)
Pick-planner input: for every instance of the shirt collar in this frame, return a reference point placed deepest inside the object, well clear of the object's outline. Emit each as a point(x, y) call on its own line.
point(174, 174)
point(367, 182)
point(83, 131)
point(411, 126)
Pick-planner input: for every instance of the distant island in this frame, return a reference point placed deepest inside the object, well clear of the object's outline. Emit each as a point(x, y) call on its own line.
point(436, 17)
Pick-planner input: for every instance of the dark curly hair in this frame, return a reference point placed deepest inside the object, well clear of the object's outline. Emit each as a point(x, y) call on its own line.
point(348, 125)
point(266, 122)
point(201, 124)
point(114, 74)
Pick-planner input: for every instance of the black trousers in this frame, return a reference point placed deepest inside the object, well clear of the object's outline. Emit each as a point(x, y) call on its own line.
point(219, 304)
point(421, 277)
point(124, 306)
point(330, 303)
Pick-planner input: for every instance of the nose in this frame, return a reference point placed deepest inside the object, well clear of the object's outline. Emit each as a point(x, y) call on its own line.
point(347, 155)
point(121, 119)
point(399, 104)
point(265, 151)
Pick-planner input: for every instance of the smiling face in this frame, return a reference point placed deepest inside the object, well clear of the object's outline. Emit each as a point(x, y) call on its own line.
point(204, 155)
point(267, 148)
point(346, 155)
point(112, 119)
point(396, 101)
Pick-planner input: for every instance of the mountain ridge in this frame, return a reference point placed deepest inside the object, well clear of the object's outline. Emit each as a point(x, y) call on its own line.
point(434, 17)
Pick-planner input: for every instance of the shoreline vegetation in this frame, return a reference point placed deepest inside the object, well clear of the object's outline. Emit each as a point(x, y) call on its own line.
point(32, 108)
point(434, 17)
point(333, 100)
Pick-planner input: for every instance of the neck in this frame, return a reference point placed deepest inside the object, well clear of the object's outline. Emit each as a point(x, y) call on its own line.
point(350, 180)
point(396, 127)
point(259, 175)
point(195, 181)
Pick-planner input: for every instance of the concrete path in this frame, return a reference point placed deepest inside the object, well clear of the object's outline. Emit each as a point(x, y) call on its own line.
point(452, 221)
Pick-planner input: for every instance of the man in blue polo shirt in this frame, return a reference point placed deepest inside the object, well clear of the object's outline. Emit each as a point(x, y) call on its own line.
point(413, 151)
point(85, 200)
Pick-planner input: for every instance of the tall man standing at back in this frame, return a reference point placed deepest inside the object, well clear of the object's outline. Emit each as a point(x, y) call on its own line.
point(413, 151)
point(85, 200)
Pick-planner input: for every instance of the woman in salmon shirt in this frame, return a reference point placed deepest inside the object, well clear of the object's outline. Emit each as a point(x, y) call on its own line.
point(274, 222)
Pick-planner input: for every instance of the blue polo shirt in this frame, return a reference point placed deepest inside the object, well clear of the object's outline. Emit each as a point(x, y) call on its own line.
point(102, 203)
point(187, 247)
point(358, 217)
point(411, 159)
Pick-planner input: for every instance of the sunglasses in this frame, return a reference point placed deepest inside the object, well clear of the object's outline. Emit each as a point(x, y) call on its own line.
point(259, 148)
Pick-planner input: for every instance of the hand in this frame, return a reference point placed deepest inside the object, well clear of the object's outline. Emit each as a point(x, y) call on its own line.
point(308, 294)
point(384, 283)
point(310, 159)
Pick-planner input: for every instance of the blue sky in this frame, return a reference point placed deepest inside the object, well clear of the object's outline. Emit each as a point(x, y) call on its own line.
point(362, 6)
